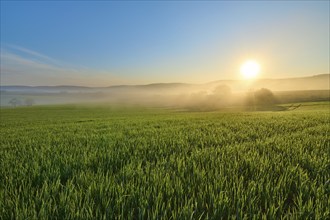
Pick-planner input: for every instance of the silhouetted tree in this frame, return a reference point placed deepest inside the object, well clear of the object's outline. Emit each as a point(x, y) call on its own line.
point(14, 102)
point(249, 100)
point(29, 102)
point(221, 96)
point(222, 91)
point(264, 97)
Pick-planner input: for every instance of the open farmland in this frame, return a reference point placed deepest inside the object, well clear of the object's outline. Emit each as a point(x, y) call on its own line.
point(102, 162)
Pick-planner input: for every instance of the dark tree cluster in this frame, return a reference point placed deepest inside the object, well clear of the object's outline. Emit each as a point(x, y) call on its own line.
point(14, 102)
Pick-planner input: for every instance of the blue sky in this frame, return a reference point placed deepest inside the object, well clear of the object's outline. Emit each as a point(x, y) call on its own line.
point(101, 43)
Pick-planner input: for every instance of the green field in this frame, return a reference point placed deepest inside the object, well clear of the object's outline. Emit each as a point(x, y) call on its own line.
point(103, 162)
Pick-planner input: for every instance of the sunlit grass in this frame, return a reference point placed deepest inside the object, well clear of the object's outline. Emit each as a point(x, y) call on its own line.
point(80, 162)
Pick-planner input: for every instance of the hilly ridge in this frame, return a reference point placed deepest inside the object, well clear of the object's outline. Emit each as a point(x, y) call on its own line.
point(316, 82)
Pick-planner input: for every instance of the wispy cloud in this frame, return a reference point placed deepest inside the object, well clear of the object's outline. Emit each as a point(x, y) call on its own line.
point(33, 53)
point(24, 66)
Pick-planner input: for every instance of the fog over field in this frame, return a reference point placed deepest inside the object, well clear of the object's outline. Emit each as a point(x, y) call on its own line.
point(212, 95)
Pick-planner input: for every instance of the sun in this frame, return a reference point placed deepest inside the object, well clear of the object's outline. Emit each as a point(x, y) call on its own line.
point(250, 69)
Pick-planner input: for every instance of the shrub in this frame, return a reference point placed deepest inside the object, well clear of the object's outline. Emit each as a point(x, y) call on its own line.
point(264, 97)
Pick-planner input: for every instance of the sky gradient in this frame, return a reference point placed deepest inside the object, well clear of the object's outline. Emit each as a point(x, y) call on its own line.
point(110, 43)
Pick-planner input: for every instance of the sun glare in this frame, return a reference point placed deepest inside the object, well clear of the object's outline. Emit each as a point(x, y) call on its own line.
point(250, 69)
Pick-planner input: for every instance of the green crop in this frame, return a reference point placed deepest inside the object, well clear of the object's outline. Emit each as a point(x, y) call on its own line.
point(101, 162)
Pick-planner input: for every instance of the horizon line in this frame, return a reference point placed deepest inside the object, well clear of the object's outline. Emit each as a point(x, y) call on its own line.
point(163, 83)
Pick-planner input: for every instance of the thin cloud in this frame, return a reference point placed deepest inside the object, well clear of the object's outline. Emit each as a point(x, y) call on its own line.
point(14, 60)
point(27, 70)
point(33, 53)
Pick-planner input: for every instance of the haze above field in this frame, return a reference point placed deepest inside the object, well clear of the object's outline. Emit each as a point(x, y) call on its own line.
point(216, 94)
point(137, 43)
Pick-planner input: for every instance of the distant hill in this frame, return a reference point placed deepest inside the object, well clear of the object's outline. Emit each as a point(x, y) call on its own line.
point(316, 82)
point(51, 89)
